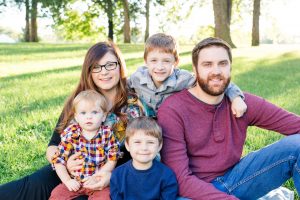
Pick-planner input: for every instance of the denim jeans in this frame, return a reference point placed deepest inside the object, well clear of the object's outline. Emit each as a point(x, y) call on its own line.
point(264, 170)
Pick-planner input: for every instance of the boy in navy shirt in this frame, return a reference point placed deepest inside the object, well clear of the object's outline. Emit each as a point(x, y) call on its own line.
point(143, 177)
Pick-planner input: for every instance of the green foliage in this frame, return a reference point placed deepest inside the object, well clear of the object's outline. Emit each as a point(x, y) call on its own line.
point(76, 26)
point(35, 79)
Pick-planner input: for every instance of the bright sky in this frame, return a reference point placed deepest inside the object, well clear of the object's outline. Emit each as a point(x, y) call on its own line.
point(283, 13)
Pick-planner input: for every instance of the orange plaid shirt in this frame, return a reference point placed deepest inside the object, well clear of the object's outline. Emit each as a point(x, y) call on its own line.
point(95, 152)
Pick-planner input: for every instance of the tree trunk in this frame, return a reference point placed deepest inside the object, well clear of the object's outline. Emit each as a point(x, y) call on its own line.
point(222, 13)
point(255, 23)
point(110, 20)
point(34, 35)
point(147, 19)
point(127, 34)
point(27, 26)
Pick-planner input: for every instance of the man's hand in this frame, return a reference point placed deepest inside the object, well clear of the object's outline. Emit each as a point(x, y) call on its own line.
point(74, 163)
point(72, 185)
point(238, 107)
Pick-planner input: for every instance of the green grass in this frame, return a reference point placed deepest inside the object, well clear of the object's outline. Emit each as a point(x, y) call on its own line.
point(35, 79)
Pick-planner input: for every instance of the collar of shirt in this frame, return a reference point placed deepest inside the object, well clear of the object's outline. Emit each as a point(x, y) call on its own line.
point(146, 79)
point(75, 131)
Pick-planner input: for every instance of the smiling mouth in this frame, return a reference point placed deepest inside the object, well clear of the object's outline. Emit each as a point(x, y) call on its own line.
point(105, 79)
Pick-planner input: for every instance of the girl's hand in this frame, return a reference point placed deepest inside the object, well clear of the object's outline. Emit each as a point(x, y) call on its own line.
point(74, 163)
point(72, 185)
point(238, 107)
point(102, 181)
point(91, 180)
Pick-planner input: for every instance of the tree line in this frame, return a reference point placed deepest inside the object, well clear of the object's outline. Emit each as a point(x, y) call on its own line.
point(120, 14)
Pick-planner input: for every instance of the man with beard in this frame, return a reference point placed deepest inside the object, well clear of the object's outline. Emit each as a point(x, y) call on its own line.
point(203, 141)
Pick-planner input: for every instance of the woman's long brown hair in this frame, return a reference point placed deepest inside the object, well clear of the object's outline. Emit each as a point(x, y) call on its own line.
point(94, 54)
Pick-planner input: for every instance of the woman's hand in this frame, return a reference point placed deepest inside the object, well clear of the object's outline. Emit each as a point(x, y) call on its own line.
point(98, 181)
point(74, 163)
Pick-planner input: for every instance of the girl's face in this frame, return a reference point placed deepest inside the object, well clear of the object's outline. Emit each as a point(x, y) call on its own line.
point(89, 116)
point(107, 80)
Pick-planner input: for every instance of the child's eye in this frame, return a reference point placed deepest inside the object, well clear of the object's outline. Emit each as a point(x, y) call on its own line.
point(153, 60)
point(137, 142)
point(82, 113)
point(166, 61)
point(150, 142)
point(94, 112)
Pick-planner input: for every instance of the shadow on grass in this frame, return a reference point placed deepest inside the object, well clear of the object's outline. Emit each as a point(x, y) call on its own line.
point(270, 79)
point(28, 49)
point(37, 105)
point(36, 74)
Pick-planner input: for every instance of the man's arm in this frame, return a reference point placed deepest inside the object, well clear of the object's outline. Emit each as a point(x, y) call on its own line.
point(174, 154)
point(266, 115)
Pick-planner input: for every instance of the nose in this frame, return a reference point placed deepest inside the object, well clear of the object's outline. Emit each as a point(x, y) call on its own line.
point(216, 69)
point(144, 146)
point(103, 71)
point(88, 115)
point(160, 65)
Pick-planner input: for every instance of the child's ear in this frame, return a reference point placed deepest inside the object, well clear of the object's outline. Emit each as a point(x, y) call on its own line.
point(176, 63)
point(127, 146)
point(160, 146)
point(104, 117)
point(75, 117)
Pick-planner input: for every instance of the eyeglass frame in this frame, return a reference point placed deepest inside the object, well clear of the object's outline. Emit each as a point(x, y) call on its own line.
point(104, 66)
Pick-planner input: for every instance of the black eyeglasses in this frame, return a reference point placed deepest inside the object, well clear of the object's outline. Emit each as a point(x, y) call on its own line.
point(108, 66)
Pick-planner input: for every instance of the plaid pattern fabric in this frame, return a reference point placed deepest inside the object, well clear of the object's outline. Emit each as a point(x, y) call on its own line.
point(131, 110)
point(95, 152)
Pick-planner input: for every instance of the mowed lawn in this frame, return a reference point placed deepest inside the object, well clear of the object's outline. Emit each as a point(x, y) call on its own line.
point(35, 79)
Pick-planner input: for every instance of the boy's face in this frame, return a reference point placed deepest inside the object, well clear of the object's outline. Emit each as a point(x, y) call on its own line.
point(160, 65)
point(89, 116)
point(143, 149)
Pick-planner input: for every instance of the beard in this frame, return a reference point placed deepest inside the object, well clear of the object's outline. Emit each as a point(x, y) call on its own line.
point(210, 88)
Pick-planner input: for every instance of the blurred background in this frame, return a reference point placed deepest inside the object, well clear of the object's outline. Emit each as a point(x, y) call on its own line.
point(239, 22)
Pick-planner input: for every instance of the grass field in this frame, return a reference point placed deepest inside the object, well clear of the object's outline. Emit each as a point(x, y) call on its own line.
point(35, 79)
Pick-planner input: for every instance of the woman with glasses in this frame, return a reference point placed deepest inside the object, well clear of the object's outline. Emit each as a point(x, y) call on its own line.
point(103, 70)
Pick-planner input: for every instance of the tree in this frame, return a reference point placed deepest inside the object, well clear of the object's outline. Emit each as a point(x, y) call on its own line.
point(255, 23)
point(127, 31)
point(222, 13)
point(27, 22)
point(33, 18)
point(147, 13)
point(147, 7)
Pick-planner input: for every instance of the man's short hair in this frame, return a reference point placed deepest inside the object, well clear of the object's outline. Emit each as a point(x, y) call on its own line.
point(208, 42)
point(162, 42)
point(145, 124)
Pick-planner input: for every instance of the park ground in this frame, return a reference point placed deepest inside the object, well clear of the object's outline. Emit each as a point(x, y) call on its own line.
point(35, 80)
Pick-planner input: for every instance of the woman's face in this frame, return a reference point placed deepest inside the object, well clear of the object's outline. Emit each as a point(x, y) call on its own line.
point(107, 80)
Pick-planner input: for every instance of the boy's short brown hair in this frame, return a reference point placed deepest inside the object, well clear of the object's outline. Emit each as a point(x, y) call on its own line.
point(208, 42)
point(146, 124)
point(163, 42)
